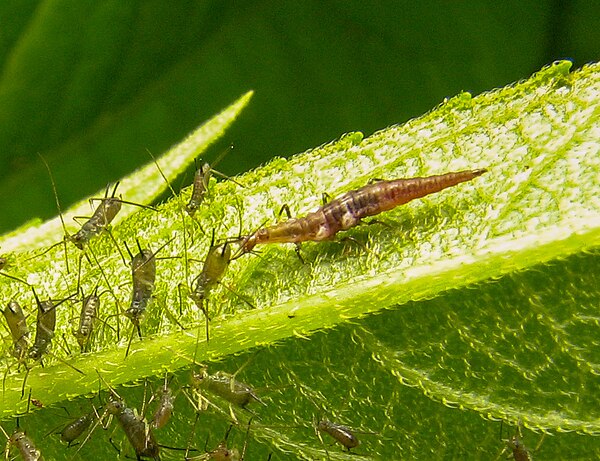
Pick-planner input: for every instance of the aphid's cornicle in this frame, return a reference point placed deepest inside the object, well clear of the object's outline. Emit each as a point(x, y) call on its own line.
point(17, 324)
point(348, 210)
point(138, 433)
point(87, 319)
point(340, 433)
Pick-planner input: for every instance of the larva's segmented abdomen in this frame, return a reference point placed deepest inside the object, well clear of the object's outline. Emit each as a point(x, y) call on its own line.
point(348, 210)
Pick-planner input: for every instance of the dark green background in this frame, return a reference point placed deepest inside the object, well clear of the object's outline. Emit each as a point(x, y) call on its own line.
point(93, 85)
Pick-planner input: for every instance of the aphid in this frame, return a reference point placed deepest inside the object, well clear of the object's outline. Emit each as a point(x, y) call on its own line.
point(18, 329)
point(138, 433)
point(221, 452)
point(143, 273)
point(24, 444)
point(87, 319)
point(213, 270)
point(226, 386)
point(75, 429)
point(349, 209)
point(44, 329)
point(103, 215)
point(340, 433)
point(201, 181)
point(164, 410)
point(199, 188)
point(519, 451)
point(45, 325)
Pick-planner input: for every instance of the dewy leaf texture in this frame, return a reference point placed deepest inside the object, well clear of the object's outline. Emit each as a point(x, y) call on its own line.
point(486, 294)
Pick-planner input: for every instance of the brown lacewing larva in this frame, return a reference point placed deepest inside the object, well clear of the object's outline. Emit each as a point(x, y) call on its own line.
point(226, 386)
point(340, 433)
point(349, 209)
point(138, 433)
point(19, 331)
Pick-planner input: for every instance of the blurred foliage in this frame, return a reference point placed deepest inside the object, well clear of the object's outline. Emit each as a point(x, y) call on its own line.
point(92, 86)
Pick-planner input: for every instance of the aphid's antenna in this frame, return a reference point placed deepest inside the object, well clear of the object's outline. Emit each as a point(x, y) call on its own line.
point(60, 214)
point(4, 274)
point(221, 155)
point(218, 160)
point(113, 196)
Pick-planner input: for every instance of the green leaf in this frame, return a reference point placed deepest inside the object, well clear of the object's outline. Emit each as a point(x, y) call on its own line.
point(485, 294)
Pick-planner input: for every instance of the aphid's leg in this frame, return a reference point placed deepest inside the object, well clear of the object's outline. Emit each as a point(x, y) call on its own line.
point(77, 219)
point(321, 440)
point(252, 306)
point(14, 278)
point(187, 451)
point(285, 208)
point(64, 362)
point(539, 443)
point(370, 222)
point(144, 403)
point(355, 241)
point(297, 248)
point(110, 289)
point(112, 237)
point(24, 381)
point(117, 448)
point(133, 327)
point(172, 318)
